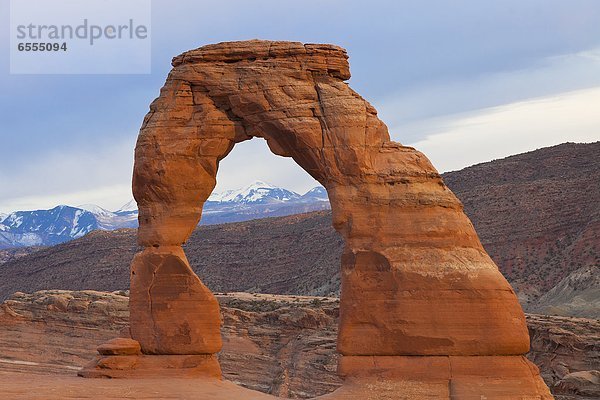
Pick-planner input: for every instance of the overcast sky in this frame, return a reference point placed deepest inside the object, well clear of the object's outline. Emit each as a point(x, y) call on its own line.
point(463, 81)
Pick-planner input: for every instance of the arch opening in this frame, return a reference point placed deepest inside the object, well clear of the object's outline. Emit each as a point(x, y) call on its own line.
point(252, 160)
point(297, 253)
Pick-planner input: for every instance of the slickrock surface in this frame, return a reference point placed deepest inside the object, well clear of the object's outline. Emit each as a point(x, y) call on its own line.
point(51, 332)
point(283, 345)
point(18, 386)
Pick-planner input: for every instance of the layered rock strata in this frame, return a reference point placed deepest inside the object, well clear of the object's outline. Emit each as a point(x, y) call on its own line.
point(282, 345)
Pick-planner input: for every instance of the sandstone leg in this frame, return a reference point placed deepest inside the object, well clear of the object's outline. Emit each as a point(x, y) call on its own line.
point(415, 278)
point(174, 323)
point(172, 312)
point(401, 307)
point(439, 377)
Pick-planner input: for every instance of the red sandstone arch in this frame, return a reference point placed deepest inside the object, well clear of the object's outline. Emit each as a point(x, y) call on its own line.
point(419, 292)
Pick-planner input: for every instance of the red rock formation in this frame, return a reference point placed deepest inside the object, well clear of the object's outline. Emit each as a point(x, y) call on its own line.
point(282, 345)
point(120, 347)
point(415, 279)
point(165, 293)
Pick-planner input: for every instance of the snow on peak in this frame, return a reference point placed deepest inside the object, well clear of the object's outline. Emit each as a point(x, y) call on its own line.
point(13, 220)
point(252, 192)
point(94, 209)
point(317, 193)
point(130, 206)
point(260, 185)
point(315, 190)
point(3, 227)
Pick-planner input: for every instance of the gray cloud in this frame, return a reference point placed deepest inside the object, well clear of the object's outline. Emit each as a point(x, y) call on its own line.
point(417, 61)
point(497, 132)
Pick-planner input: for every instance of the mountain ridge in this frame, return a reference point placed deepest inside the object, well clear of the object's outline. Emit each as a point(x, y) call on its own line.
point(257, 200)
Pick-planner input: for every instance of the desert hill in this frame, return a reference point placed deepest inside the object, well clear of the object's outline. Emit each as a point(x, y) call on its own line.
point(538, 216)
point(297, 254)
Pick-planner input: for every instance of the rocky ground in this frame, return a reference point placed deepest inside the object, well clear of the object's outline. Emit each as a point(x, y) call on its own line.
point(281, 345)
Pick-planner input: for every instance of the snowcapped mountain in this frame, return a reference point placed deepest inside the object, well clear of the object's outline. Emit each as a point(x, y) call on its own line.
point(109, 220)
point(260, 200)
point(127, 208)
point(58, 225)
point(45, 227)
point(64, 223)
point(96, 210)
point(317, 194)
point(2, 226)
point(257, 193)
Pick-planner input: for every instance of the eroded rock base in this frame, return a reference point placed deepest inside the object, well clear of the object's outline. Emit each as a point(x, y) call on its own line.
point(153, 366)
point(122, 358)
point(440, 377)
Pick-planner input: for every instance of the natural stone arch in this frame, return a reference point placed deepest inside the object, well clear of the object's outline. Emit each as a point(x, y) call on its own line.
point(416, 280)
